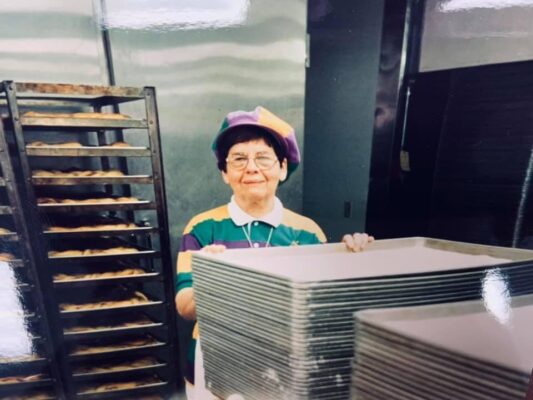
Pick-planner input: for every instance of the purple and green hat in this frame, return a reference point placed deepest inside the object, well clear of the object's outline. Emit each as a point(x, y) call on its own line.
point(282, 132)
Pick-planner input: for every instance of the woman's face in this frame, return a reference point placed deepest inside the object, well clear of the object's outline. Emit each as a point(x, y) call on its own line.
point(253, 183)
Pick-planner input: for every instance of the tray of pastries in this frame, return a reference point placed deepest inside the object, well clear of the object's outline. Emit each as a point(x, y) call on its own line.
point(118, 250)
point(130, 272)
point(24, 380)
point(31, 395)
point(122, 345)
point(118, 226)
point(80, 120)
point(143, 363)
point(76, 115)
point(7, 233)
point(91, 203)
point(82, 177)
point(77, 149)
point(5, 256)
point(21, 359)
point(51, 201)
point(93, 224)
point(106, 327)
point(134, 299)
point(125, 385)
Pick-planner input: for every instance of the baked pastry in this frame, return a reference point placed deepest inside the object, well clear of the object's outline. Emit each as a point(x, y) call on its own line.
point(38, 143)
point(138, 298)
point(128, 344)
point(21, 378)
point(80, 115)
point(100, 115)
point(99, 275)
point(65, 253)
point(117, 250)
point(6, 257)
point(126, 199)
point(81, 328)
point(119, 144)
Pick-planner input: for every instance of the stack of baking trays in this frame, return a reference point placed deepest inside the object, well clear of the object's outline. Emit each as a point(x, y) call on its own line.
point(95, 187)
point(277, 323)
point(475, 350)
point(28, 368)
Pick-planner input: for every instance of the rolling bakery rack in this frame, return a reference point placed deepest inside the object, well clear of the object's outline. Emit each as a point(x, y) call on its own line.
point(96, 218)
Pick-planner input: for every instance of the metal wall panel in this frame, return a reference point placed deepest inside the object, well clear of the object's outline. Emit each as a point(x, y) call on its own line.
point(342, 80)
point(205, 58)
point(460, 33)
point(51, 41)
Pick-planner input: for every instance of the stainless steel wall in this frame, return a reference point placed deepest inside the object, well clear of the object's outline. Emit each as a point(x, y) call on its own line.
point(51, 41)
point(459, 33)
point(205, 58)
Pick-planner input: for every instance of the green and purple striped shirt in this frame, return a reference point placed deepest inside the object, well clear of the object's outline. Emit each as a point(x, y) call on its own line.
point(230, 226)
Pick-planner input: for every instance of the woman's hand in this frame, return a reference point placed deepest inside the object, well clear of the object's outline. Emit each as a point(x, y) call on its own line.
point(185, 303)
point(214, 248)
point(357, 241)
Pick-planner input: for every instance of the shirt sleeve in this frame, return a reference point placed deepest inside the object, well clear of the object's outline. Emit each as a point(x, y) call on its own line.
point(189, 243)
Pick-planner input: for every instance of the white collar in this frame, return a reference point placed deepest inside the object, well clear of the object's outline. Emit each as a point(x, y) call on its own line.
point(240, 217)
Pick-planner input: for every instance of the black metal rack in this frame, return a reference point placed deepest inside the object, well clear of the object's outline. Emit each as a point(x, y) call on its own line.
point(109, 274)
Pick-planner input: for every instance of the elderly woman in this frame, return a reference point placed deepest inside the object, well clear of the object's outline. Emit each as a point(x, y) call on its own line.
point(255, 151)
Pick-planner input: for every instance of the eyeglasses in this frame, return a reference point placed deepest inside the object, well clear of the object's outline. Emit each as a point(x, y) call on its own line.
point(240, 162)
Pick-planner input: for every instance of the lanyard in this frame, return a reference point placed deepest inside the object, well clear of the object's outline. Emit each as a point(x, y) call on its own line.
point(248, 234)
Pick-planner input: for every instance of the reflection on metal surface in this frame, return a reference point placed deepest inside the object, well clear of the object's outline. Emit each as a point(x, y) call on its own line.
point(52, 41)
point(459, 33)
point(460, 5)
point(168, 15)
point(15, 338)
point(496, 296)
point(286, 50)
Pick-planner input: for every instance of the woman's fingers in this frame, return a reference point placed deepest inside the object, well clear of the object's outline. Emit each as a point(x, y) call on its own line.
point(357, 241)
point(214, 248)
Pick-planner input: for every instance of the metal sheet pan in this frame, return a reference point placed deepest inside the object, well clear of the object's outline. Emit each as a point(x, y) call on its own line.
point(108, 332)
point(123, 350)
point(123, 371)
point(253, 319)
point(131, 393)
